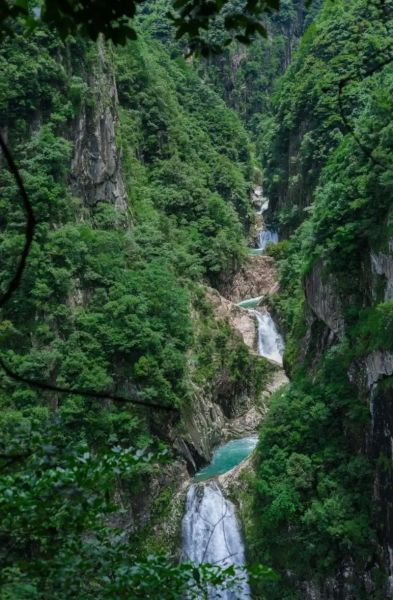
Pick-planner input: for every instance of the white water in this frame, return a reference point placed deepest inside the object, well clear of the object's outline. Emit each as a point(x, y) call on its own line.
point(267, 237)
point(270, 342)
point(211, 534)
point(259, 198)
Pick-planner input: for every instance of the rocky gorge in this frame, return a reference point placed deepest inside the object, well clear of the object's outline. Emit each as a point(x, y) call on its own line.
point(191, 214)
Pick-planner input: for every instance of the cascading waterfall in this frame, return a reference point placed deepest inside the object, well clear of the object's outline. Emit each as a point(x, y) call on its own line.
point(211, 534)
point(264, 207)
point(210, 530)
point(267, 237)
point(270, 342)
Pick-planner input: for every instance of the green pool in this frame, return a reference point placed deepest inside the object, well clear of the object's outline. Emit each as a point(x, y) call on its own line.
point(250, 302)
point(227, 456)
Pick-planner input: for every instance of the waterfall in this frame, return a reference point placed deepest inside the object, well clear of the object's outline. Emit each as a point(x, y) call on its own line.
point(211, 534)
point(270, 342)
point(266, 237)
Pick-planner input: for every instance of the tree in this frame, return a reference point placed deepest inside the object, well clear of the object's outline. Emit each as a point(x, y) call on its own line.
point(191, 18)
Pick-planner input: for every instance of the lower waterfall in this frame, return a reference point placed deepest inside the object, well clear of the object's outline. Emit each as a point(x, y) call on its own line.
point(211, 534)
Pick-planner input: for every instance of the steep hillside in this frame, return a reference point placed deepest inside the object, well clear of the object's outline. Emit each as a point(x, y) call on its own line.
point(139, 165)
point(324, 477)
point(246, 76)
point(140, 179)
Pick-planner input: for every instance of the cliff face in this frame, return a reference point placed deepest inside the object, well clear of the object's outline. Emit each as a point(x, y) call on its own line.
point(257, 278)
point(228, 404)
point(96, 165)
point(332, 202)
point(370, 375)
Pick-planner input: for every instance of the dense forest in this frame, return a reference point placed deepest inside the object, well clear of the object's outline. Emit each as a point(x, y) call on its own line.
point(147, 330)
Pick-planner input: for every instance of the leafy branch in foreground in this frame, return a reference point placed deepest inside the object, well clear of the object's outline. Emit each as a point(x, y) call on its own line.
point(30, 224)
point(61, 502)
point(190, 18)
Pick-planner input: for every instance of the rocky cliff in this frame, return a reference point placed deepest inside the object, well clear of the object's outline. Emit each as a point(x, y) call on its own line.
point(96, 170)
point(332, 203)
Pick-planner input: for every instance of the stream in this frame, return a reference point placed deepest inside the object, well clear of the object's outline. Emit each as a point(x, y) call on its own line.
point(210, 530)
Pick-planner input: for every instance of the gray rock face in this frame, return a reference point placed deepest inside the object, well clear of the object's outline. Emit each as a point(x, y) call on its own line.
point(324, 300)
point(378, 364)
point(378, 367)
point(382, 264)
point(96, 165)
point(369, 375)
point(337, 588)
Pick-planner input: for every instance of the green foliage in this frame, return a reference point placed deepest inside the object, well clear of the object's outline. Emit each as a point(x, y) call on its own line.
point(193, 157)
point(330, 189)
point(312, 501)
point(246, 76)
point(308, 124)
point(373, 329)
point(220, 353)
point(188, 18)
point(104, 304)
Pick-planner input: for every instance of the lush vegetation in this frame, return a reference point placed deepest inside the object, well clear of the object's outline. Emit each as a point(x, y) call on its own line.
point(105, 305)
point(112, 299)
point(330, 183)
point(189, 18)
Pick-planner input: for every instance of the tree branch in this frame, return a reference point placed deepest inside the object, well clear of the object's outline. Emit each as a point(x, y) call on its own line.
point(49, 387)
point(13, 286)
point(29, 228)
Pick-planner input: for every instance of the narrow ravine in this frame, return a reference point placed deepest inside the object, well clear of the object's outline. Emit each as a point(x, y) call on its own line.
point(210, 530)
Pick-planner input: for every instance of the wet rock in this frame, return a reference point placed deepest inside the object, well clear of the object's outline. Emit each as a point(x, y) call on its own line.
point(241, 320)
point(378, 364)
